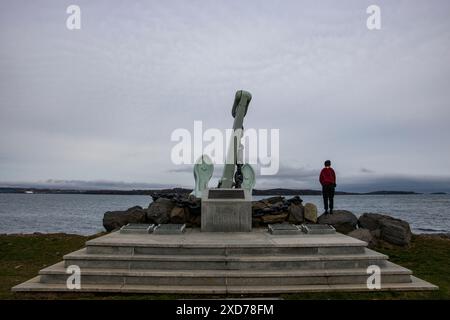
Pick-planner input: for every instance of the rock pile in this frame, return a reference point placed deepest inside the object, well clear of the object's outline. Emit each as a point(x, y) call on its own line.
point(385, 228)
point(167, 208)
point(342, 220)
point(115, 219)
point(376, 229)
point(279, 209)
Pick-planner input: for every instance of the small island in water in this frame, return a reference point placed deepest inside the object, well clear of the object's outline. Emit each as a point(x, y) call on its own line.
point(256, 192)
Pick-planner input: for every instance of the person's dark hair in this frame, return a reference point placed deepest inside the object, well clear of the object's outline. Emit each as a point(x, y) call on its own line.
point(327, 163)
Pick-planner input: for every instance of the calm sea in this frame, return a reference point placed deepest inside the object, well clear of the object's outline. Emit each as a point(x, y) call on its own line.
point(82, 214)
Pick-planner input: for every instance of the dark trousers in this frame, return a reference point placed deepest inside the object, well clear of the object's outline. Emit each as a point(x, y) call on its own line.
point(328, 195)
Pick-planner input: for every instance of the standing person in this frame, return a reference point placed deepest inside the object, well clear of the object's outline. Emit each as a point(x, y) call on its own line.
point(328, 181)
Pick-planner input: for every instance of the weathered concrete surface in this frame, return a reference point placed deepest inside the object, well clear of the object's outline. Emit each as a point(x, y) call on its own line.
point(226, 215)
point(198, 262)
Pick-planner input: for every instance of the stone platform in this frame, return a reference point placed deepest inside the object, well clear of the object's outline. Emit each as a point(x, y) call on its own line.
point(197, 262)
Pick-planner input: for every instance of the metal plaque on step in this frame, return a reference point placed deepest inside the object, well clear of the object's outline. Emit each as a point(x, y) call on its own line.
point(318, 229)
point(137, 228)
point(226, 194)
point(169, 228)
point(284, 228)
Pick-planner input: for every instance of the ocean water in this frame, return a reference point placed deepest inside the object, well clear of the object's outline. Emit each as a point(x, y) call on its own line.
point(82, 214)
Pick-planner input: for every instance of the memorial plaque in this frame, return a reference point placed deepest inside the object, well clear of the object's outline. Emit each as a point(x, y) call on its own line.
point(284, 228)
point(318, 229)
point(137, 228)
point(226, 210)
point(226, 194)
point(170, 228)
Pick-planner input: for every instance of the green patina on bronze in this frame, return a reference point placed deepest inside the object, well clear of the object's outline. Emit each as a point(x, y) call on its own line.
point(235, 174)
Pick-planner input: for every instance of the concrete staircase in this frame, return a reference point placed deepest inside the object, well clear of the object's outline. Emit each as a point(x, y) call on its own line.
point(224, 263)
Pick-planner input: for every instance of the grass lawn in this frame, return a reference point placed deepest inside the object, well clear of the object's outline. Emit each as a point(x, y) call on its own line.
point(22, 256)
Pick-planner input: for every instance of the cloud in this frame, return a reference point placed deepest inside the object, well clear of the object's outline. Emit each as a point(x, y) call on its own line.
point(100, 104)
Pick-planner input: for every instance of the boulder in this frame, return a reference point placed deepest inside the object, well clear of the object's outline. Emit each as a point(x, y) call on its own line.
point(178, 215)
point(279, 207)
point(396, 232)
point(376, 233)
point(195, 208)
point(296, 213)
point(258, 207)
point(274, 218)
point(370, 221)
point(159, 211)
point(342, 220)
point(194, 221)
point(256, 222)
point(294, 200)
point(273, 200)
point(115, 219)
point(388, 229)
point(310, 212)
point(364, 235)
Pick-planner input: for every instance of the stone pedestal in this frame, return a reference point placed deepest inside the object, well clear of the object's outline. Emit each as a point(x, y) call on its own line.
point(226, 210)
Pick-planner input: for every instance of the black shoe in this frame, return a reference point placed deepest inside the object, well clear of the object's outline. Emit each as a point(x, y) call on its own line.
point(331, 211)
point(326, 212)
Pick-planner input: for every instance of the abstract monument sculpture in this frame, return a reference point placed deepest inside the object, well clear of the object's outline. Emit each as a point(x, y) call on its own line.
point(236, 174)
point(228, 207)
point(203, 170)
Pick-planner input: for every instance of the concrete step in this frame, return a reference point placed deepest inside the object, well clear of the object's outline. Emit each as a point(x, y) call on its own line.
point(193, 242)
point(35, 285)
point(229, 251)
point(198, 262)
point(221, 262)
point(390, 274)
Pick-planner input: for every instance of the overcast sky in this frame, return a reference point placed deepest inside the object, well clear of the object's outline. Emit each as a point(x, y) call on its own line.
point(99, 104)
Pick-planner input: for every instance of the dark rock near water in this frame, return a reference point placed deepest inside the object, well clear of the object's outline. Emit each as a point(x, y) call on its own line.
point(183, 208)
point(364, 235)
point(194, 221)
point(296, 213)
point(274, 218)
point(310, 212)
point(273, 200)
point(277, 210)
point(182, 200)
point(258, 207)
point(195, 208)
point(374, 228)
point(166, 208)
point(342, 220)
point(388, 229)
point(295, 200)
point(370, 221)
point(115, 219)
point(159, 211)
point(178, 215)
point(396, 232)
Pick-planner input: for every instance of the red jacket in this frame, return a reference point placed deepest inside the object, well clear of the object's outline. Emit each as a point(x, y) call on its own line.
point(327, 176)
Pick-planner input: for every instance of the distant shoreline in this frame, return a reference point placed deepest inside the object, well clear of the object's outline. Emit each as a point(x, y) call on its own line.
point(149, 192)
